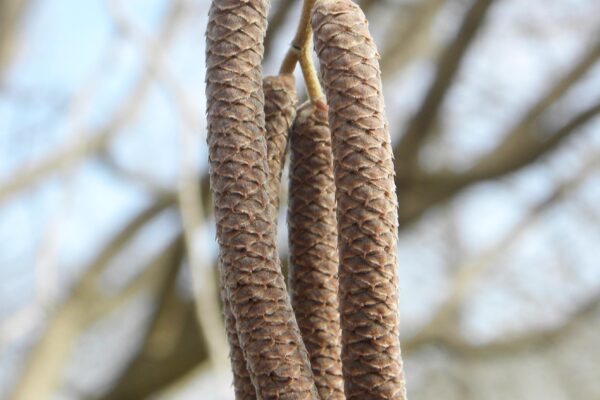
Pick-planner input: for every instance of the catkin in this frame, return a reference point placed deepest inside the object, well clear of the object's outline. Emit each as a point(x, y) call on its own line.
point(366, 201)
point(280, 110)
point(313, 247)
point(280, 103)
point(265, 322)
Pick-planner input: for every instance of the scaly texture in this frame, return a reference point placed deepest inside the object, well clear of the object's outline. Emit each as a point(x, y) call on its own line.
point(280, 103)
point(265, 322)
point(280, 110)
point(313, 247)
point(242, 383)
point(366, 200)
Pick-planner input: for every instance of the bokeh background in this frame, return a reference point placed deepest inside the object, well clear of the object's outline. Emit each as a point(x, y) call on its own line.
point(107, 248)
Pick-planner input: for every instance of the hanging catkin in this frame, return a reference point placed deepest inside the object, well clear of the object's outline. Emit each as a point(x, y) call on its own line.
point(280, 110)
point(313, 247)
point(366, 200)
point(280, 103)
point(267, 330)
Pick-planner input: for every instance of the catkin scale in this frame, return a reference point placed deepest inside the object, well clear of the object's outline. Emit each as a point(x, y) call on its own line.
point(242, 383)
point(366, 201)
point(313, 247)
point(252, 278)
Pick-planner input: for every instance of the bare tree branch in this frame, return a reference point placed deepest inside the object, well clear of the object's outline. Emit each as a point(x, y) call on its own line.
point(410, 39)
point(172, 346)
point(507, 347)
point(444, 325)
point(580, 67)
point(77, 150)
point(427, 190)
point(276, 22)
point(367, 5)
point(449, 63)
point(521, 150)
point(48, 358)
point(522, 145)
point(138, 178)
point(11, 14)
point(189, 201)
point(152, 275)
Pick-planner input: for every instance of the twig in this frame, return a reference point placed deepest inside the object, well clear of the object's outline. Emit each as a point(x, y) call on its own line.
point(300, 51)
point(311, 78)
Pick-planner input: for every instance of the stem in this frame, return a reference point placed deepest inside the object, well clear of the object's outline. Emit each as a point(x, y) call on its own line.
point(300, 51)
point(313, 86)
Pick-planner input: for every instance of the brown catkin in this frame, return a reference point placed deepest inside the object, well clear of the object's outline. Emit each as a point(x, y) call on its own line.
point(280, 110)
point(254, 285)
point(313, 247)
point(366, 200)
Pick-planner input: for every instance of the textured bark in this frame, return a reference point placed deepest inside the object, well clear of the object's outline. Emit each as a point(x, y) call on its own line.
point(255, 287)
point(313, 267)
point(366, 200)
point(280, 110)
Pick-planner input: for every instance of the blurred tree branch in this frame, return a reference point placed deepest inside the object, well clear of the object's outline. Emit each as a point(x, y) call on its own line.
point(443, 327)
point(77, 150)
point(367, 5)
point(11, 14)
point(189, 200)
point(277, 18)
point(138, 178)
point(428, 190)
point(419, 128)
point(85, 304)
point(172, 346)
point(508, 346)
point(410, 39)
point(521, 145)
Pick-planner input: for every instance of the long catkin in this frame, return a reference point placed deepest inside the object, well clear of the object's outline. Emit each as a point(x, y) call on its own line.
point(313, 247)
point(280, 109)
point(366, 201)
point(267, 330)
